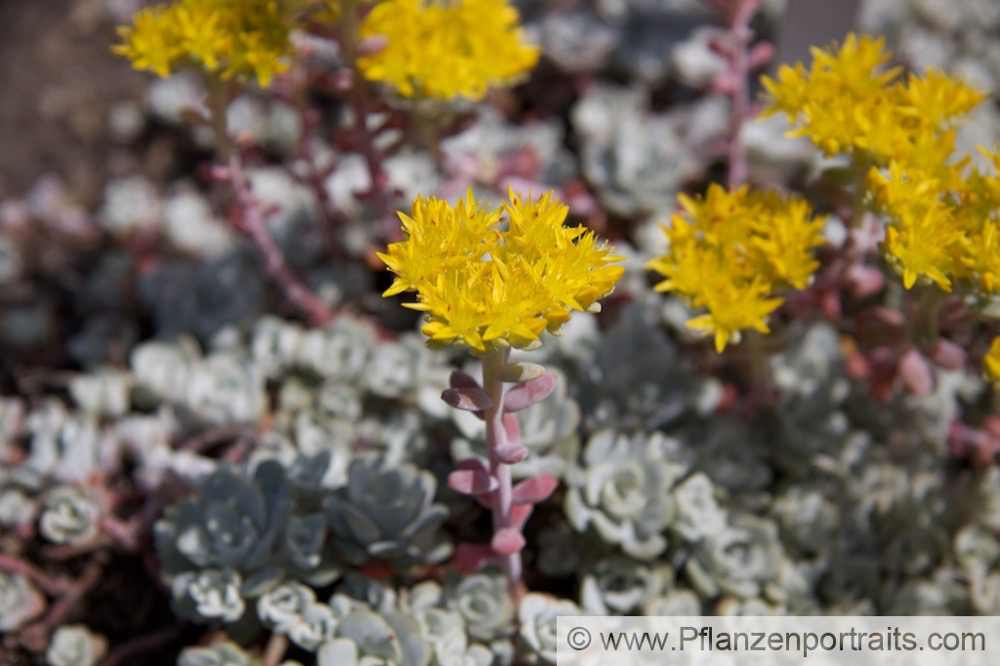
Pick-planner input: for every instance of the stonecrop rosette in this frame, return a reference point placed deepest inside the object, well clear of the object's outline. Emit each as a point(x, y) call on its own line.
point(489, 279)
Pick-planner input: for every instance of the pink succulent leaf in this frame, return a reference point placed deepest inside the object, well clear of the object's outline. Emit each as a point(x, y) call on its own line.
point(761, 54)
point(726, 83)
point(916, 372)
point(472, 482)
point(471, 557)
point(947, 354)
point(512, 428)
point(463, 380)
point(534, 490)
point(519, 514)
point(525, 394)
point(473, 464)
point(864, 281)
point(507, 541)
point(469, 399)
point(511, 453)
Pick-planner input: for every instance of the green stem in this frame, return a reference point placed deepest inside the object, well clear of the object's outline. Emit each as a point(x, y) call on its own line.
point(761, 381)
point(922, 328)
point(218, 102)
point(495, 437)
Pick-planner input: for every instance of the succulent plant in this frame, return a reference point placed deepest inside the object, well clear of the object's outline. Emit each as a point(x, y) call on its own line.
point(809, 520)
point(70, 515)
point(284, 605)
point(314, 626)
point(483, 600)
point(75, 645)
point(363, 637)
point(674, 603)
point(186, 296)
point(67, 447)
point(223, 653)
point(537, 617)
point(698, 512)
point(741, 560)
point(637, 381)
point(387, 513)
point(548, 430)
point(619, 585)
point(20, 602)
point(635, 159)
point(250, 531)
point(621, 490)
point(102, 393)
point(209, 594)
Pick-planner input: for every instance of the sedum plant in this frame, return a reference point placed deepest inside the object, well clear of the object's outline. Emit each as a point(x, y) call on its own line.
point(490, 280)
point(441, 49)
point(387, 513)
point(622, 491)
point(733, 252)
point(241, 534)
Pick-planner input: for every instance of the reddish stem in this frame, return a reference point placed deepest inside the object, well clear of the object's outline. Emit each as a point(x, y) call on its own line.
point(495, 438)
point(251, 222)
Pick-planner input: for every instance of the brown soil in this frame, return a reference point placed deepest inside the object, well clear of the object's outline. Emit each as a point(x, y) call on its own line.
point(58, 81)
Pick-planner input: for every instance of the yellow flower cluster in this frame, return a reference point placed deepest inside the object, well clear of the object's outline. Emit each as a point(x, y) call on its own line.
point(732, 252)
point(942, 213)
point(230, 38)
point(848, 102)
point(446, 48)
point(992, 360)
point(489, 279)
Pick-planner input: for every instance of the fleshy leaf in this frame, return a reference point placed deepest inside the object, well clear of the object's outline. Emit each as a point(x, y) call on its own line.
point(470, 557)
point(521, 372)
point(512, 454)
point(519, 514)
point(507, 541)
point(534, 490)
point(916, 372)
point(460, 380)
point(512, 428)
point(469, 399)
point(472, 482)
point(528, 393)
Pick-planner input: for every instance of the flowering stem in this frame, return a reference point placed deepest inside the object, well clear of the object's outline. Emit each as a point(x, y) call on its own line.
point(761, 384)
point(495, 438)
point(250, 221)
point(740, 72)
point(923, 325)
point(252, 224)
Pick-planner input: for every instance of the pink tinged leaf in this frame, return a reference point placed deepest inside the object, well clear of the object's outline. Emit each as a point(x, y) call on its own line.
point(528, 393)
point(519, 514)
point(761, 55)
point(512, 428)
point(469, 399)
point(947, 354)
point(726, 83)
point(472, 482)
point(865, 281)
point(534, 490)
point(511, 454)
point(460, 380)
point(507, 541)
point(916, 373)
point(471, 557)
